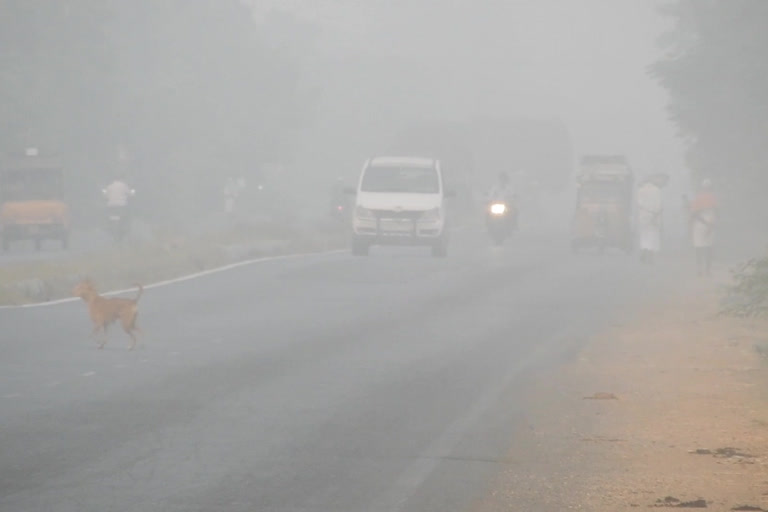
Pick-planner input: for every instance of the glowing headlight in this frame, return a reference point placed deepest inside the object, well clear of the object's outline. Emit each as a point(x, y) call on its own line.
point(498, 208)
point(431, 215)
point(363, 213)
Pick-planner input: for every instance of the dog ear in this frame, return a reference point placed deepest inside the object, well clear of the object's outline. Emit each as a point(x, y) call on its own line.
point(86, 284)
point(78, 289)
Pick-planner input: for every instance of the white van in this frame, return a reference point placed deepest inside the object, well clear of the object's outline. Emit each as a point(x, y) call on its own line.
point(400, 201)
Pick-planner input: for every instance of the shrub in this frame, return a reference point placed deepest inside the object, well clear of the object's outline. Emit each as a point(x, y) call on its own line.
point(748, 296)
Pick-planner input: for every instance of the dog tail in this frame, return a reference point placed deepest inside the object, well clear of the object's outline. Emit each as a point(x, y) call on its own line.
point(138, 295)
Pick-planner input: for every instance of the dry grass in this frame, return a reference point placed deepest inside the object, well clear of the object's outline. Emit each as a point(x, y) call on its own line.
point(167, 257)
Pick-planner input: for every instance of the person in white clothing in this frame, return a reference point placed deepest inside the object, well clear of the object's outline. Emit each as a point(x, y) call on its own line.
point(649, 203)
point(117, 193)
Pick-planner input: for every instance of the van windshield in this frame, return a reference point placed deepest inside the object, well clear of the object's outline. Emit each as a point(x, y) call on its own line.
point(414, 180)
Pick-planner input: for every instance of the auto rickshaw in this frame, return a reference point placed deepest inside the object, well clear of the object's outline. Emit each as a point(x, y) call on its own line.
point(31, 203)
point(603, 216)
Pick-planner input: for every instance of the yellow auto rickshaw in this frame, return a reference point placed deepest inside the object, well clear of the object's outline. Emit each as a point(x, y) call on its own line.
point(603, 216)
point(31, 203)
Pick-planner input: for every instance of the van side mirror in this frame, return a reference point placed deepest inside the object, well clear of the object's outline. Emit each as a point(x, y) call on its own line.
point(351, 191)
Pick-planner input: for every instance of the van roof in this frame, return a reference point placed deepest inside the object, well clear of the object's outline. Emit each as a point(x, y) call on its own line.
point(402, 161)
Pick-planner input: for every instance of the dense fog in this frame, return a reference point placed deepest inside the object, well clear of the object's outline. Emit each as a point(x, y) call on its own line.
point(382, 255)
point(182, 95)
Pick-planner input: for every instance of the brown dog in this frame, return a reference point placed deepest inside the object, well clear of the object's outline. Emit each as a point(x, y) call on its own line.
point(105, 311)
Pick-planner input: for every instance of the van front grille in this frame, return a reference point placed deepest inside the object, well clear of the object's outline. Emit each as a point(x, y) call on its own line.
point(401, 215)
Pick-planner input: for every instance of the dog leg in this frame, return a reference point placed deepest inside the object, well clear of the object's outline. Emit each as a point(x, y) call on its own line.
point(100, 340)
point(129, 326)
point(133, 340)
point(133, 324)
point(141, 334)
point(104, 337)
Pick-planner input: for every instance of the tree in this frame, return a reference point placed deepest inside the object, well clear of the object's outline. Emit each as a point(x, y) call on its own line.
point(716, 73)
point(190, 90)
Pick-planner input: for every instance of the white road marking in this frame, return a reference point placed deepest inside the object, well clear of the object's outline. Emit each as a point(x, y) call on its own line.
point(417, 472)
point(182, 278)
point(88, 374)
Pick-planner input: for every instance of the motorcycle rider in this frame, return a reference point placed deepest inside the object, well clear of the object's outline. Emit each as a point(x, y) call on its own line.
point(502, 192)
point(117, 194)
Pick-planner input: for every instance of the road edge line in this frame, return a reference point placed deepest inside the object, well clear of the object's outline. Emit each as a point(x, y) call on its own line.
point(180, 279)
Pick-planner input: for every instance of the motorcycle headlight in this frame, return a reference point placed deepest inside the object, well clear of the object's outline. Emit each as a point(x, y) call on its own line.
point(363, 213)
point(431, 215)
point(498, 208)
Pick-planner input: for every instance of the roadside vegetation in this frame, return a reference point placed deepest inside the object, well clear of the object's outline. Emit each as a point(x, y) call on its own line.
point(716, 74)
point(167, 256)
point(133, 86)
point(748, 296)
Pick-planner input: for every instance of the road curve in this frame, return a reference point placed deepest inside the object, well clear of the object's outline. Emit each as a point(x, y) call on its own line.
point(320, 383)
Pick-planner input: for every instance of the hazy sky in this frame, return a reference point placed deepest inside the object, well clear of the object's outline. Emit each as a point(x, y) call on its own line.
point(582, 61)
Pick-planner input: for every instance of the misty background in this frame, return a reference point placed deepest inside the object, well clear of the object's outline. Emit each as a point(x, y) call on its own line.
point(292, 94)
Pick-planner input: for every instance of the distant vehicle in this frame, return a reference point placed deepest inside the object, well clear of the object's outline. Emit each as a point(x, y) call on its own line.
point(603, 216)
point(400, 201)
point(537, 153)
point(501, 220)
point(338, 207)
point(119, 197)
point(119, 221)
point(340, 212)
point(33, 207)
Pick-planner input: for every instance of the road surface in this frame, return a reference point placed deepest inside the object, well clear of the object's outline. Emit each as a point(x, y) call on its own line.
point(316, 383)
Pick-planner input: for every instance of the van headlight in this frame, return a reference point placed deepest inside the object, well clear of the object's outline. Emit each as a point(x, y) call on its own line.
point(431, 215)
point(363, 213)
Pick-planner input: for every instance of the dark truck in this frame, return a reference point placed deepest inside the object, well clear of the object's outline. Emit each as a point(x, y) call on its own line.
point(537, 154)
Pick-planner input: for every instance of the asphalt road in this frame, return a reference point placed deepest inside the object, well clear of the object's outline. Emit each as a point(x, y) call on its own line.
point(316, 383)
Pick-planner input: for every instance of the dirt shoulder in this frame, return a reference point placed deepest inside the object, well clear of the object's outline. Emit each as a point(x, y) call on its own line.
point(669, 409)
